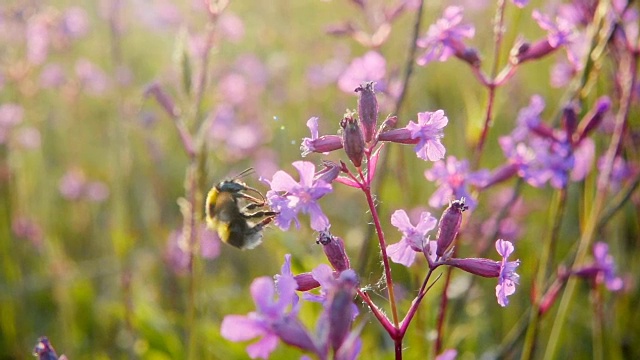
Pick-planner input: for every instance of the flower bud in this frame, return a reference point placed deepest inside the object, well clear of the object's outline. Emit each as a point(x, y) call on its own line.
point(163, 99)
point(340, 309)
point(368, 109)
point(322, 144)
point(535, 51)
point(477, 266)
point(329, 172)
point(333, 247)
point(449, 225)
point(306, 282)
point(291, 331)
point(570, 119)
point(593, 118)
point(470, 56)
point(401, 136)
point(352, 139)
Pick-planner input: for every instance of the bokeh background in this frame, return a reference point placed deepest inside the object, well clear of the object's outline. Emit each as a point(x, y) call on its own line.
point(93, 170)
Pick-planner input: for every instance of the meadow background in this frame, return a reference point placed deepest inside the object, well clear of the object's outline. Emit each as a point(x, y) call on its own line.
point(93, 171)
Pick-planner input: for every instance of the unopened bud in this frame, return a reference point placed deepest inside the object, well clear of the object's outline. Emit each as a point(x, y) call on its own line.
point(333, 247)
point(401, 136)
point(368, 109)
point(569, 119)
point(329, 172)
point(477, 266)
point(323, 144)
point(164, 99)
point(470, 56)
point(341, 308)
point(449, 225)
point(593, 118)
point(537, 50)
point(306, 282)
point(352, 139)
point(291, 331)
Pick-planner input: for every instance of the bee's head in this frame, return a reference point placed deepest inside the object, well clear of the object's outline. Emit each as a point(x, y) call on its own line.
point(232, 186)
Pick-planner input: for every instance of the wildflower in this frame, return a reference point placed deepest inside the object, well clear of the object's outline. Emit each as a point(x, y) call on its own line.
point(289, 197)
point(453, 178)
point(508, 278)
point(414, 238)
point(275, 318)
point(426, 134)
point(333, 247)
point(322, 144)
point(330, 282)
point(560, 32)
point(352, 139)
point(444, 38)
point(603, 268)
point(449, 225)
point(367, 109)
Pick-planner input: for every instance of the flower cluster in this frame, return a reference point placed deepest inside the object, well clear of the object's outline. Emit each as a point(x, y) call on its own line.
point(276, 316)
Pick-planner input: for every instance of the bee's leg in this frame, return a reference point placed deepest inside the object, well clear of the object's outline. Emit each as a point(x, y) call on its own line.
point(270, 215)
point(258, 214)
point(253, 201)
point(251, 206)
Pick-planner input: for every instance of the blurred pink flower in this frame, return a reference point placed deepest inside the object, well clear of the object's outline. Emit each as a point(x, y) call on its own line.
point(231, 27)
point(92, 78)
point(75, 22)
point(52, 76)
point(37, 37)
point(369, 67)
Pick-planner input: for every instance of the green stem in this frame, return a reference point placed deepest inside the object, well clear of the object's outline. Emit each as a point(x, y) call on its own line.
point(555, 217)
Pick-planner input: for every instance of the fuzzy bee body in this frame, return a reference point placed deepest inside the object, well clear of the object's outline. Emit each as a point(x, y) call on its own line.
point(229, 209)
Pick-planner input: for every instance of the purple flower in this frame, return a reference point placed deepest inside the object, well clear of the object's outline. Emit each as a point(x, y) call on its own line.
point(520, 3)
point(322, 144)
point(444, 38)
point(289, 197)
point(429, 132)
point(414, 238)
point(621, 171)
point(274, 318)
point(508, 278)
point(603, 268)
point(369, 67)
point(540, 160)
point(449, 354)
point(453, 178)
point(560, 32)
point(45, 351)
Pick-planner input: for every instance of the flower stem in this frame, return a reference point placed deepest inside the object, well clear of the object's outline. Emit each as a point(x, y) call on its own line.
point(498, 31)
point(555, 216)
point(415, 304)
point(383, 251)
point(382, 164)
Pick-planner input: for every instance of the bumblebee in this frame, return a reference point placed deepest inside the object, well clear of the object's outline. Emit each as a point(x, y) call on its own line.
point(238, 213)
